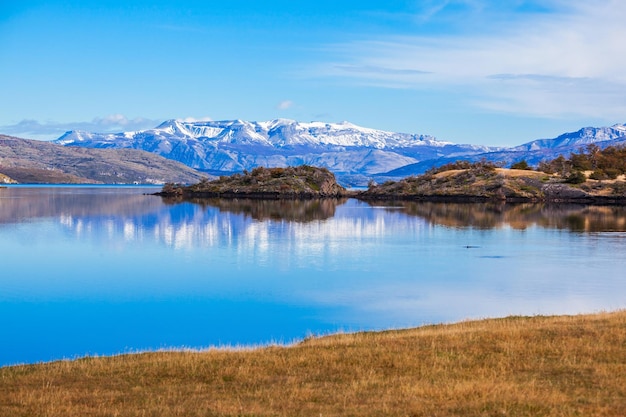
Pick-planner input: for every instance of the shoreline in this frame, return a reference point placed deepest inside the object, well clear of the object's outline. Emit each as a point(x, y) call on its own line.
point(361, 196)
point(516, 365)
point(298, 341)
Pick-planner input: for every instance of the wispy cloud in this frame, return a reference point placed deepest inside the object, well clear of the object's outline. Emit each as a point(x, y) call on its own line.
point(48, 130)
point(196, 119)
point(374, 70)
point(567, 58)
point(285, 105)
point(429, 9)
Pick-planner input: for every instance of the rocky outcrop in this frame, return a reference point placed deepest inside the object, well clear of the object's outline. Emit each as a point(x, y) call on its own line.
point(557, 191)
point(4, 179)
point(303, 182)
point(486, 183)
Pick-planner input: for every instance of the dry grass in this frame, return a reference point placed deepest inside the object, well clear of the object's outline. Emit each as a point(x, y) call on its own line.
point(505, 172)
point(533, 366)
point(514, 173)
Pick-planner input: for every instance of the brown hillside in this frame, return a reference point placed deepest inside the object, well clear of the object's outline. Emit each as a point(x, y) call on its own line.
point(31, 161)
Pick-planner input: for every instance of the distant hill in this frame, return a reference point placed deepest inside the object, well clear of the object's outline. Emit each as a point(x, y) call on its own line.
point(582, 137)
point(32, 161)
point(534, 152)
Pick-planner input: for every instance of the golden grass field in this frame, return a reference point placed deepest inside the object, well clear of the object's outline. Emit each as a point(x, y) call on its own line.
point(516, 366)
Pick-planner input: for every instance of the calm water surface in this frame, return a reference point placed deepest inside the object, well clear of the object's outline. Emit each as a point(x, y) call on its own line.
point(105, 270)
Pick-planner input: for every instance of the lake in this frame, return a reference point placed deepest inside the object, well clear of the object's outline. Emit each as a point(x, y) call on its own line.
point(106, 270)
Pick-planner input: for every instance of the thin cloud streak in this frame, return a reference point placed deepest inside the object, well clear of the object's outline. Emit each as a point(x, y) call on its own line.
point(547, 64)
point(370, 69)
point(196, 119)
point(33, 129)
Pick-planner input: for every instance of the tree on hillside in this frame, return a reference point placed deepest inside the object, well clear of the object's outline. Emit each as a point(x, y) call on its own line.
point(606, 163)
point(521, 165)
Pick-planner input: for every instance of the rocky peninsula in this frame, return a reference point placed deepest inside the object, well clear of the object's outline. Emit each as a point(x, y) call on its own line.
point(481, 182)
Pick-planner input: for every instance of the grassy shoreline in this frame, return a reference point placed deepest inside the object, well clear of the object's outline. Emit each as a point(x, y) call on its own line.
point(520, 366)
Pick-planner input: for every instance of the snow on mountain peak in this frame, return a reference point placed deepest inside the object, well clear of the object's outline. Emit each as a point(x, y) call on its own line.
point(620, 127)
point(235, 145)
point(343, 147)
point(287, 132)
point(579, 138)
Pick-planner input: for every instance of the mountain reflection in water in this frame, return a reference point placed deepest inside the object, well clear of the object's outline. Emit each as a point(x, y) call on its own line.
point(19, 204)
point(127, 205)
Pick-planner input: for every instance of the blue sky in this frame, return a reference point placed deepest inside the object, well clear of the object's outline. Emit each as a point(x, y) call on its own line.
point(466, 71)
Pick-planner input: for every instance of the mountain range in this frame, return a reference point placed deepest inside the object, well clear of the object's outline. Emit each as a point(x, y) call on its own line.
point(178, 151)
point(355, 154)
point(352, 152)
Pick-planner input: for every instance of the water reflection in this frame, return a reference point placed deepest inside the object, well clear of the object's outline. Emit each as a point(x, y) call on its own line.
point(577, 218)
point(20, 204)
point(107, 270)
point(131, 210)
point(282, 210)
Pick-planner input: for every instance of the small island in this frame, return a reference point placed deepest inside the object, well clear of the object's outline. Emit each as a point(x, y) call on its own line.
point(302, 182)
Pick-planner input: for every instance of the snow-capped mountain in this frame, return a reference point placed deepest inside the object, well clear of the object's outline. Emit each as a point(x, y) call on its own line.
point(582, 137)
point(532, 152)
point(231, 146)
point(279, 133)
point(352, 152)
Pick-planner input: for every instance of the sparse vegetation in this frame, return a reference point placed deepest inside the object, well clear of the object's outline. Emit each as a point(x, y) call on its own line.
point(461, 180)
point(518, 366)
point(521, 165)
point(606, 163)
point(479, 167)
point(566, 181)
point(291, 182)
point(576, 177)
